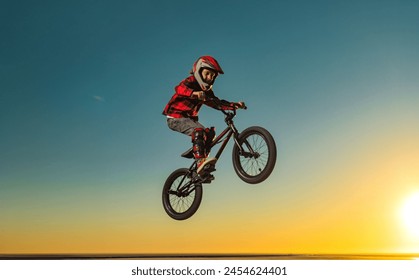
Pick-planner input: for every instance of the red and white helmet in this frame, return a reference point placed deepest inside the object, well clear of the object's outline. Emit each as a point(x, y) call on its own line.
point(205, 62)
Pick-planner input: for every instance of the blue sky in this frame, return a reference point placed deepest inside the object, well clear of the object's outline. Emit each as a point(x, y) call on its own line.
point(83, 85)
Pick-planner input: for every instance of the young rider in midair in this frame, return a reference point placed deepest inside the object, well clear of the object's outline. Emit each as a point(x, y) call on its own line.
point(182, 109)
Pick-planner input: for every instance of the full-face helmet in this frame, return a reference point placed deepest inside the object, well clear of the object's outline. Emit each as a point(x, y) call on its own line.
point(205, 62)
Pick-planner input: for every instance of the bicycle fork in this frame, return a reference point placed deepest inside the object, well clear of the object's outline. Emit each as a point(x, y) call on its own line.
point(251, 153)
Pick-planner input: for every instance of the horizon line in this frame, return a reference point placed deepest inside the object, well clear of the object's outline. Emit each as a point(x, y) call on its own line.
point(258, 256)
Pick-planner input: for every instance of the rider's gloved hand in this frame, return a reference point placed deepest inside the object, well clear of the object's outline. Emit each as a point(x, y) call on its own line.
point(199, 95)
point(239, 105)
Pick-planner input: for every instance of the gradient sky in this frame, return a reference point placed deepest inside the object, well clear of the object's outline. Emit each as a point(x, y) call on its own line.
point(85, 151)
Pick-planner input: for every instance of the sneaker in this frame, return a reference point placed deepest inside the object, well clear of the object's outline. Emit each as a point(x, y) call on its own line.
point(204, 162)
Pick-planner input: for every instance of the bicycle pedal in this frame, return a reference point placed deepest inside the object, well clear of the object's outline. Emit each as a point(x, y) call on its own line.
point(208, 179)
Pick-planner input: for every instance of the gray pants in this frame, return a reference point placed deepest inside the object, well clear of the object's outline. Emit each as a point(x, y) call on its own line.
point(183, 125)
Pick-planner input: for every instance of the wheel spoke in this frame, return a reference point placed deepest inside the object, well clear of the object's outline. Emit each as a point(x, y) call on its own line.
point(178, 202)
point(254, 165)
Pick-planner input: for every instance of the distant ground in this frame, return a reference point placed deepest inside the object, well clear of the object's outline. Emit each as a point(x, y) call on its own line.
point(215, 256)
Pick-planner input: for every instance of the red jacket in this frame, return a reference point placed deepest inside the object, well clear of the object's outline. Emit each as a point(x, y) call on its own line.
point(184, 105)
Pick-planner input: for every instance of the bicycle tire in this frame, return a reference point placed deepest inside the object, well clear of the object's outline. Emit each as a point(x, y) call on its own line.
point(255, 169)
point(176, 206)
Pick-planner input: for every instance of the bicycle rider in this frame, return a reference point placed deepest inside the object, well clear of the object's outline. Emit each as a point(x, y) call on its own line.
point(182, 109)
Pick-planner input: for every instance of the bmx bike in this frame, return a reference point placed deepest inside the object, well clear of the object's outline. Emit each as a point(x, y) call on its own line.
point(254, 158)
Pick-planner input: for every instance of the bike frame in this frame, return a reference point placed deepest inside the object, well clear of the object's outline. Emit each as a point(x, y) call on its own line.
point(224, 137)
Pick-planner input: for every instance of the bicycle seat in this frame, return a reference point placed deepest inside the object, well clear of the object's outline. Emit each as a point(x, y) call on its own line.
point(188, 154)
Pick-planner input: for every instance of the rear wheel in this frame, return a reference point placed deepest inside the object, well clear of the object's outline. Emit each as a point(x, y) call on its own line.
point(181, 196)
point(256, 159)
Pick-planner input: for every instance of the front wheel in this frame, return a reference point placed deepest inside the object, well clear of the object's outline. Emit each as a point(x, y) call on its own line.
point(181, 195)
point(255, 159)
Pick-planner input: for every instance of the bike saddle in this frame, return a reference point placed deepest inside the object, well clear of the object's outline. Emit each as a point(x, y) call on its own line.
point(188, 153)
